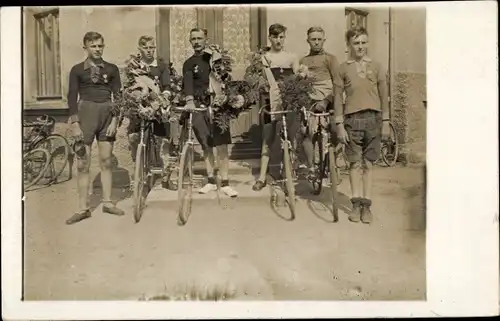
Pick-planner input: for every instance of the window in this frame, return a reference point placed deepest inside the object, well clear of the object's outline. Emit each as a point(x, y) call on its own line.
point(355, 18)
point(48, 60)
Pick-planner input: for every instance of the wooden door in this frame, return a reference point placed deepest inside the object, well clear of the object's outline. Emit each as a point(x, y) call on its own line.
point(212, 19)
point(221, 27)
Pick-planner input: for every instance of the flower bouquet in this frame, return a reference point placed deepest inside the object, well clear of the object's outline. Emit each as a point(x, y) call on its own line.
point(234, 95)
point(141, 96)
point(294, 89)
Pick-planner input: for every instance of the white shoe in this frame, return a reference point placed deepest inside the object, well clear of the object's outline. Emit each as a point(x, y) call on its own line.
point(208, 188)
point(229, 191)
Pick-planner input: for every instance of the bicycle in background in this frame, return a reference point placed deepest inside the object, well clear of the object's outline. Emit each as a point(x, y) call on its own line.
point(45, 154)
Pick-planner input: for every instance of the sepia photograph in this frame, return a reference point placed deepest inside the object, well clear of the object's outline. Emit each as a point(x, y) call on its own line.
point(224, 153)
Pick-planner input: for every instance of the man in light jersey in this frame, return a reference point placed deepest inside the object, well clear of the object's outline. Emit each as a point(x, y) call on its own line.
point(278, 64)
point(324, 67)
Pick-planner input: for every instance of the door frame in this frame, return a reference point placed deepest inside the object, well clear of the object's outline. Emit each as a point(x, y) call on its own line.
point(163, 33)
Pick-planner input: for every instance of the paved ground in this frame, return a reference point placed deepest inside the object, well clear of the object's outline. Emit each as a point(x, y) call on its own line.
point(239, 247)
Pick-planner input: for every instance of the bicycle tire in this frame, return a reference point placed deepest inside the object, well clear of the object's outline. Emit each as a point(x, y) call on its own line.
point(139, 172)
point(184, 194)
point(317, 179)
point(393, 145)
point(334, 179)
point(46, 156)
point(45, 144)
point(289, 182)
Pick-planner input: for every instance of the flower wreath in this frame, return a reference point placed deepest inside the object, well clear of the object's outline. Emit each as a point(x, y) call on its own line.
point(232, 97)
point(294, 90)
point(141, 96)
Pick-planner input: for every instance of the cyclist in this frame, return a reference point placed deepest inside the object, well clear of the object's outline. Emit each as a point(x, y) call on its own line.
point(158, 71)
point(196, 77)
point(324, 67)
point(363, 121)
point(92, 117)
point(278, 64)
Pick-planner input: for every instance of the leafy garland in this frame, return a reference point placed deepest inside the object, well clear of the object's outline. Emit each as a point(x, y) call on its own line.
point(235, 94)
point(141, 96)
point(295, 89)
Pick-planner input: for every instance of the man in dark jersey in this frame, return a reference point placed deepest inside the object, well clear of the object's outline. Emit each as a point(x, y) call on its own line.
point(196, 76)
point(160, 73)
point(95, 82)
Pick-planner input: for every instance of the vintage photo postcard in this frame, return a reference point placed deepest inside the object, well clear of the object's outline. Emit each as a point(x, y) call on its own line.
point(249, 161)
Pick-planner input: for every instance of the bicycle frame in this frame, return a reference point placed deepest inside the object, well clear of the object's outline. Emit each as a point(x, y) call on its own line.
point(284, 129)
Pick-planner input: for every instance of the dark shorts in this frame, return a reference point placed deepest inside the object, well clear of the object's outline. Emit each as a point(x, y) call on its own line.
point(364, 129)
point(94, 121)
point(209, 135)
point(159, 129)
point(272, 131)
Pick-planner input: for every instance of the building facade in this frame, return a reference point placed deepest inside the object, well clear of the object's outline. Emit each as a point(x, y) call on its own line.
point(53, 44)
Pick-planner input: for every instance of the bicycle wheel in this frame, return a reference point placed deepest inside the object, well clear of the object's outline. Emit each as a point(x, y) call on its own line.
point(390, 148)
point(139, 181)
point(35, 164)
point(58, 148)
point(341, 159)
point(289, 182)
point(334, 179)
point(185, 184)
point(318, 163)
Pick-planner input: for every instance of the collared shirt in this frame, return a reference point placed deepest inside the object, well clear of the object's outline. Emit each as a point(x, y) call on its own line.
point(159, 71)
point(361, 81)
point(81, 83)
point(324, 67)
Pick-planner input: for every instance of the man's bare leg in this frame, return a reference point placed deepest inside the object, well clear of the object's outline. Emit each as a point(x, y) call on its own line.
point(355, 180)
point(209, 158)
point(83, 167)
point(208, 155)
point(366, 202)
point(223, 161)
point(264, 162)
point(83, 182)
point(367, 179)
point(105, 153)
point(133, 142)
point(223, 158)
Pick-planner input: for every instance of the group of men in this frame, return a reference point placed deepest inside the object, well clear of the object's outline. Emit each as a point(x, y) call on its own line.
point(359, 121)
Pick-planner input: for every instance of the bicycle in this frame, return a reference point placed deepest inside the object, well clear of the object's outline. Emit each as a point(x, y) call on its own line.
point(287, 165)
point(325, 155)
point(186, 178)
point(389, 151)
point(147, 166)
point(41, 136)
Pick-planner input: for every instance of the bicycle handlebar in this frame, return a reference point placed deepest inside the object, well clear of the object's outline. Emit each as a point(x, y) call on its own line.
point(310, 113)
point(196, 109)
point(44, 120)
point(277, 112)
